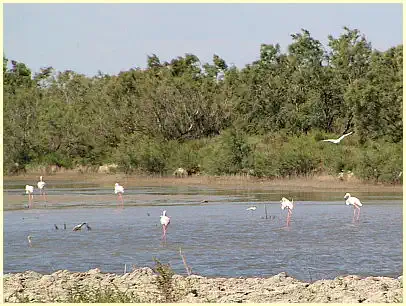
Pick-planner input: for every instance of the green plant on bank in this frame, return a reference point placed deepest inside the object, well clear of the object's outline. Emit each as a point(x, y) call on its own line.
point(164, 281)
point(88, 294)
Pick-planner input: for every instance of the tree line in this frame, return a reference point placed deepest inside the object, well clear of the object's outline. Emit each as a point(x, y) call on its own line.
point(266, 119)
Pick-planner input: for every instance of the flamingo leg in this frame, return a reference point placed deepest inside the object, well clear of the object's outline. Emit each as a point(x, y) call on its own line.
point(288, 217)
point(30, 200)
point(163, 232)
point(122, 201)
point(44, 195)
point(359, 212)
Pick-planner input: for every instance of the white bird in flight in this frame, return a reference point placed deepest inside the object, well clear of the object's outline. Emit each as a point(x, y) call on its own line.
point(336, 141)
point(29, 190)
point(349, 200)
point(118, 189)
point(285, 203)
point(41, 184)
point(165, 221)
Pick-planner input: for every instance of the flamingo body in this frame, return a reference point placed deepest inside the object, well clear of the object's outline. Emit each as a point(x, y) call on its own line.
point(118, 188)
point(165, 221)
point(29, 189)
point(286, 204)
point(349, 200)
point(41, 184)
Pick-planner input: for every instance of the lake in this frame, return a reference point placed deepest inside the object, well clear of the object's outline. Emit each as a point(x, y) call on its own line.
point(218, 237)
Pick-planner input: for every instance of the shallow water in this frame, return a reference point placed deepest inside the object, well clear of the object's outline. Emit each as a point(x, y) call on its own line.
point(218, 238)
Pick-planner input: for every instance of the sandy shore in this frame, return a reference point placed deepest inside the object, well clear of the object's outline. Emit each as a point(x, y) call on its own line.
point(144, 285)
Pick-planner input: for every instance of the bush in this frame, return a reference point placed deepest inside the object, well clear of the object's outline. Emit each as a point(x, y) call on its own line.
point(381, 162)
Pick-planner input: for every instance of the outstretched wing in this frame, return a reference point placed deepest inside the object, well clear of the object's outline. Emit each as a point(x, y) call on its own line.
point(330, 140)
point(345, 135)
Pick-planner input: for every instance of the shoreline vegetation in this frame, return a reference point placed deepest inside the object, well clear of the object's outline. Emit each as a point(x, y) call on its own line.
point(160, 284)
point(269, 119)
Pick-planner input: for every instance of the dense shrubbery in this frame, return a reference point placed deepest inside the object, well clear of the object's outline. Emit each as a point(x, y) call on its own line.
point(266, 120)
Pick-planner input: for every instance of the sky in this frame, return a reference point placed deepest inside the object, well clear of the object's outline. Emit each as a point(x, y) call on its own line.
point(110, 38)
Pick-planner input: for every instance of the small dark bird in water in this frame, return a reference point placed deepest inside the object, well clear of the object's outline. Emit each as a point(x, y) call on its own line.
point(88, 227)
point(78, 227)
point(204, 201)
point(56, 227)
point(64, 226)
point(148, 214)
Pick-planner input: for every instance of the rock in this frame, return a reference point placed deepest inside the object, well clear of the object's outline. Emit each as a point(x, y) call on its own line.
point(141, 283)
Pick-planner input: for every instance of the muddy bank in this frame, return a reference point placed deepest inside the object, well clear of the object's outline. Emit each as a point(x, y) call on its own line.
point(313, 183)
point(144, 285)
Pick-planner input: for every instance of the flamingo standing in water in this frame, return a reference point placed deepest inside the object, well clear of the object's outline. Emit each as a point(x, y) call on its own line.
point(29, 190)
point(118, 189)
point(165, 221)
point(285, 203)
point(41, 184)
point(349, 200)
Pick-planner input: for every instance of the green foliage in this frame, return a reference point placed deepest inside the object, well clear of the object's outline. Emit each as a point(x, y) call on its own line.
point(164, 280)
point(382, 162)
point(266, 119)
point(228, 154)
point(88, 294)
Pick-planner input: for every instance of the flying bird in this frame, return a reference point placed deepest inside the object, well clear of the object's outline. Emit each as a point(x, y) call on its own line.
point(29, 190)
point(349, 200)
point(336, 141)
point(286, 204)
point(165, 221)
point(119, 190)
point(41, 184)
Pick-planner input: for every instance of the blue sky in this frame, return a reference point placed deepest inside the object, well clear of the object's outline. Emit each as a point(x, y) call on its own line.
point(111, 38)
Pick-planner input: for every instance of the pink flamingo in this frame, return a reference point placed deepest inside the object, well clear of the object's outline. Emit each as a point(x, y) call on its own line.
point(285, 203)
point(29, 190)
point(41, 184)
point(118, 189)
point(349, 200)
point(165, 221)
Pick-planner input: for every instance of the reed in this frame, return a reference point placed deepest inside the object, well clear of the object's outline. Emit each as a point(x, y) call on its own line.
point(188, 269)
